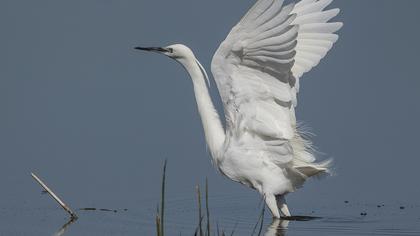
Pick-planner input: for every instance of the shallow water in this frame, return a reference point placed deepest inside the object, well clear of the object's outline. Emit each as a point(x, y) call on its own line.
point(228, 213)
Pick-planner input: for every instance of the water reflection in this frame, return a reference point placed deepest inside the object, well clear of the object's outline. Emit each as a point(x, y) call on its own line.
point(277, 228)
point(64, 228)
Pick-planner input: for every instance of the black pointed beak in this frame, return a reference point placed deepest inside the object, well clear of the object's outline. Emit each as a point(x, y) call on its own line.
point(152, 49)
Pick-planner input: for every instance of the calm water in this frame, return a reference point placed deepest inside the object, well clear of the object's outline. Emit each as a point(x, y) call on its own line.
point(228, 212)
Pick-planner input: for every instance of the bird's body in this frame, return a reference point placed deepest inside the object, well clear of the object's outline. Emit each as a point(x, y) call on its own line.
point(257, 70)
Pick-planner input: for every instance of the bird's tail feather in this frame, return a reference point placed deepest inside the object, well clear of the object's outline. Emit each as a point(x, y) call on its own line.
point(304, 163)
point(315, 169)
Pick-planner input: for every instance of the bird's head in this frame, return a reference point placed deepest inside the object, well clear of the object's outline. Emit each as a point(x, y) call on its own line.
point(178, 52)
point(181, 54)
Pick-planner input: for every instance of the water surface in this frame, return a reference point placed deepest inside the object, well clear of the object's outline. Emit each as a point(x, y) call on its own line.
point(228, 213)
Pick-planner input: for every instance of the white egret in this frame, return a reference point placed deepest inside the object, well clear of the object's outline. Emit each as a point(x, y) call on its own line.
point(257, 70)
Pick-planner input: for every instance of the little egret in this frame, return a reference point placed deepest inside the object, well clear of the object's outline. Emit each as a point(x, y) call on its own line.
point(257, 70)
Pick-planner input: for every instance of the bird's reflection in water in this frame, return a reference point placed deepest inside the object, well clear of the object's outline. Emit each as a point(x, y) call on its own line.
point(279, 226)
point(64, 228)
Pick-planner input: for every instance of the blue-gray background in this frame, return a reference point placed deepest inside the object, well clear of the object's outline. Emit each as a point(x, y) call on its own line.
point(96, 118)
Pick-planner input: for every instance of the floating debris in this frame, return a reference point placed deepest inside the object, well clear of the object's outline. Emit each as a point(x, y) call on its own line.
point(363, 214)
point(104, 209)
point(346, 202)
point(300, 218)
point(88, 209)
point(101, 209)
point(402, 207)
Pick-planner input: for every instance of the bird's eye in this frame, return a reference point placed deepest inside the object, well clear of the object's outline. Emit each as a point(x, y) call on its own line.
point(171, 50)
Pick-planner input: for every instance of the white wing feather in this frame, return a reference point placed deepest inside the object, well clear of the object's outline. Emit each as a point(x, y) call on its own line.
point(257, 70)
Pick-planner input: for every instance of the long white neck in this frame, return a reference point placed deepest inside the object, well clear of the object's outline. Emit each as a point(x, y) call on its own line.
point(213, 129)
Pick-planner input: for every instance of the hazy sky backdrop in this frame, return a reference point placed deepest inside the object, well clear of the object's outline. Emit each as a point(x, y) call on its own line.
point(96, 118)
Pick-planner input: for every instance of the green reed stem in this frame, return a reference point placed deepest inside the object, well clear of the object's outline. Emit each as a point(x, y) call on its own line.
point(162, 203)
point(158, 223)
point(200, 216)
point(207, 207)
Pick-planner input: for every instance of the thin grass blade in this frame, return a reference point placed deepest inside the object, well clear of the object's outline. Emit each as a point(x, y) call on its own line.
point(200, 216)
point(162, 203)
point(207, 207)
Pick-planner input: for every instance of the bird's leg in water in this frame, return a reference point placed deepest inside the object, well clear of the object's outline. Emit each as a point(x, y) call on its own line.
point(281, 203)
point(270, 200)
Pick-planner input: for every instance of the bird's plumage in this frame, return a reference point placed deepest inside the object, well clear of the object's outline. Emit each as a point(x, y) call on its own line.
point(257, 70)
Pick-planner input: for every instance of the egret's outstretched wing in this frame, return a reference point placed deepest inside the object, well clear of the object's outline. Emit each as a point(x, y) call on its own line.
point(258, 66)
point(316, 36)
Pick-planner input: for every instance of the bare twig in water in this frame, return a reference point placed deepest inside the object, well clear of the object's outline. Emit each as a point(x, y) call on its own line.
point(55, 197)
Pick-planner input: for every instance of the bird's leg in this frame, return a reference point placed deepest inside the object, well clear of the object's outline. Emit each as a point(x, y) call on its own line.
point(270, 200)
point(281, 203)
